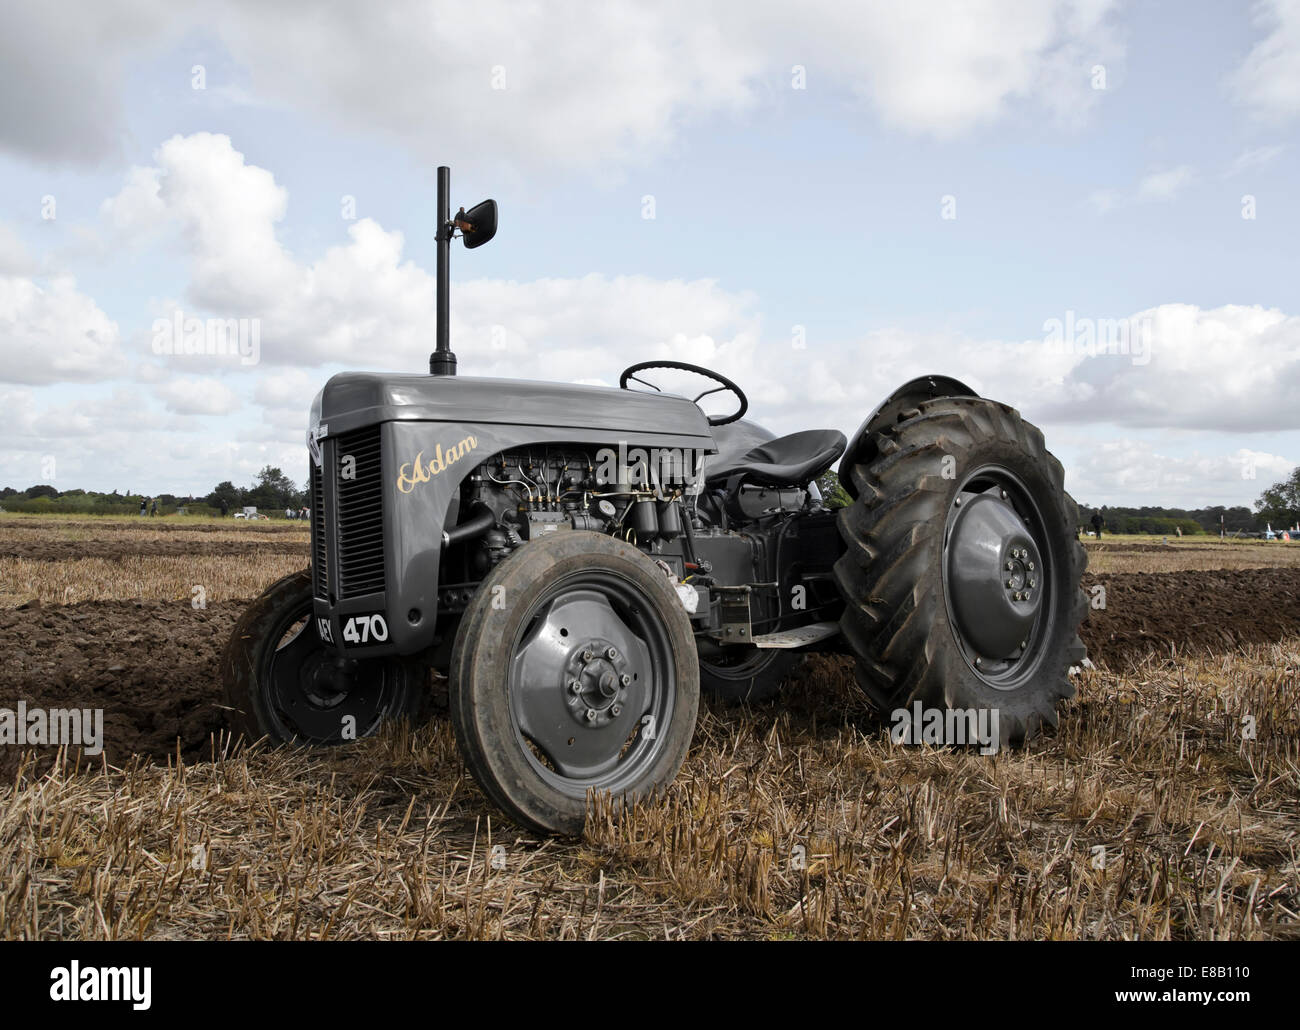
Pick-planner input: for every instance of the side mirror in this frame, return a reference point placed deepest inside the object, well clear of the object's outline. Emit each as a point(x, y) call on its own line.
point(477, 225)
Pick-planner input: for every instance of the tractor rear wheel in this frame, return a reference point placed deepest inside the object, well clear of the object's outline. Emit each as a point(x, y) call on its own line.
point(574, 672)
point(283, 683)
point(961, 572)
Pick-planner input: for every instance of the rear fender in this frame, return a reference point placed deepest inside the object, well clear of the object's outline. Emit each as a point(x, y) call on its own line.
point(862, 448)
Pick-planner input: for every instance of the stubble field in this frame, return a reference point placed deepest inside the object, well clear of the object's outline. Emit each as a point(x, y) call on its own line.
point(1166, 805)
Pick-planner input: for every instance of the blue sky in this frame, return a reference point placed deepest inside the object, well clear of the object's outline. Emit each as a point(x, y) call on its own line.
point(828, 208)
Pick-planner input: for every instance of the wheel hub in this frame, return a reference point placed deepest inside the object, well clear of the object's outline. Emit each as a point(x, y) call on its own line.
point(581, 682)
point(995, 575)
point(598, 676)
point(326, 683)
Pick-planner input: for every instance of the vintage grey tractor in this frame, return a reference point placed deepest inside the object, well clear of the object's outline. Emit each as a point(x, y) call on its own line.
point(579, 562)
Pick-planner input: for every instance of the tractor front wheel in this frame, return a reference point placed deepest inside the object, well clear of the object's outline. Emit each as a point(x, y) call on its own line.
point(574, 672)
point(283, 683)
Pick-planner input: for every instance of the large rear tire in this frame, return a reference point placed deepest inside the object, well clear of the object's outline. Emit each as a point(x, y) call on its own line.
point(574, 672)
point(961, 573)
point(282, 682)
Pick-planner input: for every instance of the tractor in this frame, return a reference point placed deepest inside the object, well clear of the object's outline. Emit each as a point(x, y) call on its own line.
point(580, 562)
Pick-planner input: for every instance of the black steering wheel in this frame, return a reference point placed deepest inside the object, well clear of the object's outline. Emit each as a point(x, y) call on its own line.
point(629, 374)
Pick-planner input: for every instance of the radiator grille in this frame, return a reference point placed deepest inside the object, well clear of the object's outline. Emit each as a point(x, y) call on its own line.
point(319, 568)
point(360, 514)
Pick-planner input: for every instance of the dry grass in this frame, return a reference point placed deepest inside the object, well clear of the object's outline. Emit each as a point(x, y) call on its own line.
point(154, 577)
point(388, 838)
point(1190, 554)
point(126, 565)
point(21, 527)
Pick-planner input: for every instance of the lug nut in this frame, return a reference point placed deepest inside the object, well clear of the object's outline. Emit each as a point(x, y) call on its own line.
point(591, 715)
point(1010, 583)
point(611, 654)
point(575, 686)
point(587, 656)
point(1033, 583)
point(615, 709)
point(1010, 565)
point(625, 679)
point(1030, 566)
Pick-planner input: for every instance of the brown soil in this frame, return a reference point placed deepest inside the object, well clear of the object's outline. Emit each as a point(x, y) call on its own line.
point(185, 546)
point(1148, 612)
point(152, 666)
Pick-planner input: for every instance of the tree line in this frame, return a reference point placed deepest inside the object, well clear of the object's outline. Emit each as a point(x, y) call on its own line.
point(272, 492)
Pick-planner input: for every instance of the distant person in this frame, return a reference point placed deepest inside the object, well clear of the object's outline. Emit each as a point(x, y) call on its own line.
point(154, 510)
point(144, 506)
point(1097, 523)
point(225, 508)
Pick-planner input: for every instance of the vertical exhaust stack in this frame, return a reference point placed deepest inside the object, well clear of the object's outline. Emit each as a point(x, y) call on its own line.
point(477, 227)
point(442, 362)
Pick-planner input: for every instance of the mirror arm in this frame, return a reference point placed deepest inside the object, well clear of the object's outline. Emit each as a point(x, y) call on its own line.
point(442, 362)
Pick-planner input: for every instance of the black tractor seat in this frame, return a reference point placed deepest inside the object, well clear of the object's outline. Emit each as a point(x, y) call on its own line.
point(783, 461)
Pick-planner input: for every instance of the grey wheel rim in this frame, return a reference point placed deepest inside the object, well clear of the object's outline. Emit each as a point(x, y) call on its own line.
point(998, 576)
point(592, 684)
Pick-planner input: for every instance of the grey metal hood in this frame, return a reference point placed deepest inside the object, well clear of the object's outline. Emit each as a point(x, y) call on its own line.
point(353, 399)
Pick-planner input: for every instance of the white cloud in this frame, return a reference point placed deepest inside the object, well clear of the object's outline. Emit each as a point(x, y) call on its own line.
point(62, 71)
point(1230, 369)
point(1235, 368)
point(566, 85)
point(197, 395)
point(943, 68)
point(1162, 185)
point(1268, 80)
point(53, 333)
point(14, 258)
point(1141, 473)
point(1255, 157)
point(363, 303)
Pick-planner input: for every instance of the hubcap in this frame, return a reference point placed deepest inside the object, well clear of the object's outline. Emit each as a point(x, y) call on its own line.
point(591, 672)
point(996, 578)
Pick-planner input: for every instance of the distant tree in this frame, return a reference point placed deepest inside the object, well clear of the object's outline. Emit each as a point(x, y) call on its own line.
point(226, 491)
point(833, 493)
point(1280, 503)
point(44, 490)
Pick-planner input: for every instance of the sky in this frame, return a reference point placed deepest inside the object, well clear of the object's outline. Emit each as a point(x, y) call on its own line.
point(1086, 209)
